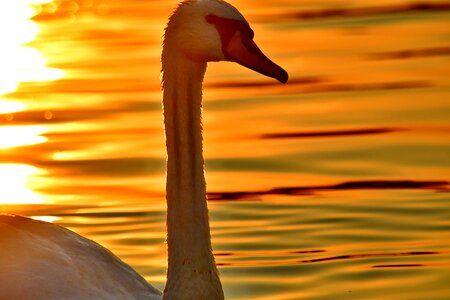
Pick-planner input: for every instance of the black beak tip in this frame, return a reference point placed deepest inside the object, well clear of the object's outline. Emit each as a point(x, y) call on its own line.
point(283, 76)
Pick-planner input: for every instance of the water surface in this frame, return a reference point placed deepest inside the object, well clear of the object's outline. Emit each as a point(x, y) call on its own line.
point(334, 186)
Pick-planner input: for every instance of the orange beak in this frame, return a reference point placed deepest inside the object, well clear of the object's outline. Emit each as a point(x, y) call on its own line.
point(245, 52)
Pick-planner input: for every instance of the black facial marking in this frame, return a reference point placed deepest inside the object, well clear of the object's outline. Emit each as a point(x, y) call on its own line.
point(227, 28)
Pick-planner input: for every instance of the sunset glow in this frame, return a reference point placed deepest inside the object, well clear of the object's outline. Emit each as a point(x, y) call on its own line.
point(21, 63)
point(15, 189)
point(14, 136)
point(8, 107)
point(49, 219)
point(334, 185)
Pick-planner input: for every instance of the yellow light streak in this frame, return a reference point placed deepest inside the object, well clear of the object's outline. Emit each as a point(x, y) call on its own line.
point(18, 62)
point(14, 136)
point(49, 219)
point(14, 179)
point(9, 107)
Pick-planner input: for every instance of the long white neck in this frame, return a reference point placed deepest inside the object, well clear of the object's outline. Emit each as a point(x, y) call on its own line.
point(192, 273)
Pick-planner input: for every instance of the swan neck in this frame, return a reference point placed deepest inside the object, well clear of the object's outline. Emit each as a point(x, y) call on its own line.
point(192, 271)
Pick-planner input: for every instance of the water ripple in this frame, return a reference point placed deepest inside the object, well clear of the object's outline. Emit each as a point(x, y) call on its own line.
point(349, 185)
point(332, 133)
point(268, 262)
point(410, 53)
point(368, 255)
point(369, 11)
point(399, 266)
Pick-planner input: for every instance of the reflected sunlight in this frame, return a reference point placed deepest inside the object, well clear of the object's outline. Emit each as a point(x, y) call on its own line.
point(48, 219)
point(9, 107)
point(14, 136)
point(20, 63)
point(14, 180)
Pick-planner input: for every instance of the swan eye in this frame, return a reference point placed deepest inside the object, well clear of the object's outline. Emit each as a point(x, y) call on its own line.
point(228, 27)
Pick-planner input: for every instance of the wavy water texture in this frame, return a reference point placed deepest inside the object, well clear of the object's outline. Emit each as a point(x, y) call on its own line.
point(352, 185)
point(333, 186)
point(368, 11)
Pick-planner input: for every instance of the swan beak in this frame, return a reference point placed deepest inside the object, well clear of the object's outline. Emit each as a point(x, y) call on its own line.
point(245, 52)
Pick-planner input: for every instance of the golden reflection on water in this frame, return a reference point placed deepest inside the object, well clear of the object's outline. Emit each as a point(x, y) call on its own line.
point(304, 178)
point(49, 219)
point(15, 189)
point(14, 136)
point(19, 64)
point(8, 107)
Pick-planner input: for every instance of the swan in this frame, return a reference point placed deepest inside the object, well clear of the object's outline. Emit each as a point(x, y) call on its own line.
point(40, 260)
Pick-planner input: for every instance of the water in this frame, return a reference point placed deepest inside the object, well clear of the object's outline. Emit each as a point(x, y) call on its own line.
point(334, 186)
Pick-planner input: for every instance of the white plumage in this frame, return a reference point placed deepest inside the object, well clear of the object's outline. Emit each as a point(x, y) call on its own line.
point(43, 261)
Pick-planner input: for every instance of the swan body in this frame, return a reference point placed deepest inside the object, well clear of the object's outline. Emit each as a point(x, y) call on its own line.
point(44, 261)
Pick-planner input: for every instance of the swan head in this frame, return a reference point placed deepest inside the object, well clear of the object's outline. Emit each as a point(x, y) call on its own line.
point(214, 30)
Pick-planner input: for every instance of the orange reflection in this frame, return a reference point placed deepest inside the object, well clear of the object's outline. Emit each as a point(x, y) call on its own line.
point(14, 179)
